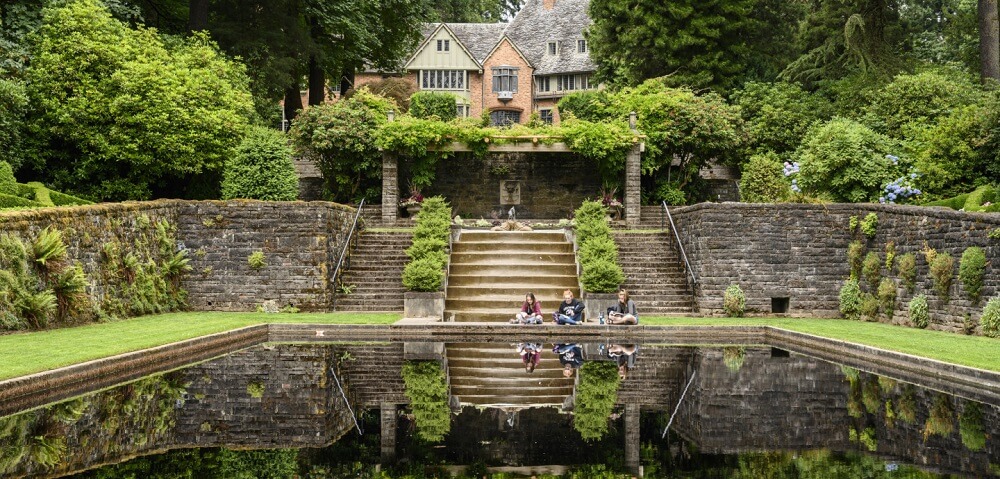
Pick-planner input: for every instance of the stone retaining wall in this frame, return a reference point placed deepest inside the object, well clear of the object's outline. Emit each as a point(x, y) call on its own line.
point(799, 252)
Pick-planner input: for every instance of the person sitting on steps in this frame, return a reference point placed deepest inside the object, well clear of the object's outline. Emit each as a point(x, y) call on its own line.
point(531, 355)
point(570, 311)
point(531, 311)
point(624, 312)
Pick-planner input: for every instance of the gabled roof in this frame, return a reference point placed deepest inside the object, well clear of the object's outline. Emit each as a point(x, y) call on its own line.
point(429, 31)
point(512, 44)
point(479, 38)
point(534, 27)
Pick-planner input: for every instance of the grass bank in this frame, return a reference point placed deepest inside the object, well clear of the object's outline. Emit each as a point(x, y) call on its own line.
point(974, 351)
point(27, 353)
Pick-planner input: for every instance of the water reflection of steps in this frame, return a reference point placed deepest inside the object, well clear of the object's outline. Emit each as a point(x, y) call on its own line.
point(493, 375)
point(491, 272)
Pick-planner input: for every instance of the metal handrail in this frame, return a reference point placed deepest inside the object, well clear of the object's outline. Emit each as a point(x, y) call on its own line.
point(694, 279)
point(347, 243)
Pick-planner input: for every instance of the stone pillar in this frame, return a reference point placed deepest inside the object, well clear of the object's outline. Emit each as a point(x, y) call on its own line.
point(389, 416)
point(390, 188)
point(633, 169)
point(632, 442)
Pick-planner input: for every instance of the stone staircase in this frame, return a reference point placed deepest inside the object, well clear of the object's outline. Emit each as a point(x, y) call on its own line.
point(491, 272)
point(654, 276)
point(492, 374)
point(376, 270)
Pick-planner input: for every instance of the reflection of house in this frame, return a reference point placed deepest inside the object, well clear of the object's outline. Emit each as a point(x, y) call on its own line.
point(510, 70)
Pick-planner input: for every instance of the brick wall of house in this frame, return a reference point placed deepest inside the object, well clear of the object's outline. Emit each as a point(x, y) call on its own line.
point(507, 55)
point(550, 104)
point(476, 93)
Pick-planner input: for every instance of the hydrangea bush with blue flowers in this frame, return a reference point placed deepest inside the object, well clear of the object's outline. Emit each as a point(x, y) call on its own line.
point(902, 188)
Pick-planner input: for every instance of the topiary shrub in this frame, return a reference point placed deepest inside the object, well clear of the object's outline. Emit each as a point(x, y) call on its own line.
point(990, 320)
point(871, 269)
point(734, 301)
point(763, 179)
point(970, 427)
point(599, 248)
point(971, 269)
point(906, 267)
point(919, 314)
point(855, 257)
point(591, 222)
point(887, 296)
point(261, 168)
point(8, 184)
point(424, 275)
point(427, 104)
point(850, 299)
point(428, 247)
point(427, 388)
point(595, 398)
point(942, 272)
point(601, 276)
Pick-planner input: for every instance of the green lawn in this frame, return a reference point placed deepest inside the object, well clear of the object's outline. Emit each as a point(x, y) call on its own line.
point(975, 351)
point(27, 353)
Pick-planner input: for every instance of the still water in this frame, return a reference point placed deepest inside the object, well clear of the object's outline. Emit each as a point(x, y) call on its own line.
point(388, 410)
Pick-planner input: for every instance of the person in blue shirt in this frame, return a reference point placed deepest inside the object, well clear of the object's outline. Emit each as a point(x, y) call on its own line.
point(570, 356)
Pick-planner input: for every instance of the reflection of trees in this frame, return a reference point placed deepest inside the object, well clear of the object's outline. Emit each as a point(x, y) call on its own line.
point(427, 389)
point(595, 398)
point(94, 428)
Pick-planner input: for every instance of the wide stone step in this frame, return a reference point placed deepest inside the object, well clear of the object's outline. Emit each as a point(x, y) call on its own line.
point(504, 291)
point(486, 315)
point(478, 369)
point(512, 268)
point(512, 236)
point(501, 256)
point(527, 383)
point(489, 302)
point(494, 400)
point(498, 248)
point(527, 279)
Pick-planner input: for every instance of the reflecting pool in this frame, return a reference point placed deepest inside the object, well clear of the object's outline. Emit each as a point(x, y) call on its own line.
point(518, 409)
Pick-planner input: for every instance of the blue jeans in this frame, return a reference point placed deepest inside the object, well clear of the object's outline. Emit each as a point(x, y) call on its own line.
point(564, 319)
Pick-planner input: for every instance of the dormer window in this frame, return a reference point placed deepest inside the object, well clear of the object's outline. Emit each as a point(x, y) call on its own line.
point(443, 45)
point(581, 46)
point(553, 48)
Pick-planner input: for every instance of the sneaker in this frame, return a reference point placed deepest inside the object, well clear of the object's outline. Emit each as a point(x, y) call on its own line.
point(514, 321)
point(601, 318)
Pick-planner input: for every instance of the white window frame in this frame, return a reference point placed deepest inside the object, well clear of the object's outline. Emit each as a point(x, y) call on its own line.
point(443, 46)
point(444, 80)
point(581, 46)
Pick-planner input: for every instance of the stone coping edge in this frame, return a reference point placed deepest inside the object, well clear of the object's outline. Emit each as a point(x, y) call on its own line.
point(34, 390)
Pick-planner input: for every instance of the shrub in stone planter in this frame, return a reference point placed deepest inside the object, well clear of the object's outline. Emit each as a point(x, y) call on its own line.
point(595, 398)
point(734, 302)
point(850, 299)
point(424, 275)
point(906, 267)
point(971, 269)
point(599, 248)
point(428, 248)
point(591, 222)
point(855, 256)
point(869, 307)
point(919, 315)
point(887, 296)
point(871, 269)
point(942, 271)
point(990, 320)
point(601, 276)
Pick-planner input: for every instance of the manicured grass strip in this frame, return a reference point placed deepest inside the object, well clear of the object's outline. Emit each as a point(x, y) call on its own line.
point(28, 353)
point(973, 351)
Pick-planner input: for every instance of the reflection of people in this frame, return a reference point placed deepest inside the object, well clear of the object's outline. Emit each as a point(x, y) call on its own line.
point(624, 312)
point(624, 355)
point(570, 311)
point(570, 356)
point(531, 355)
point(531, 311)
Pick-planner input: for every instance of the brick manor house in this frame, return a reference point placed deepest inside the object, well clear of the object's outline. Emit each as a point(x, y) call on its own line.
point(510, 69)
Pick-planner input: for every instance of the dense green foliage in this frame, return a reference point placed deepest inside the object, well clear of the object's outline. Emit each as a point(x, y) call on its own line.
point(13, 108)
point(734, 302)
point(906, 267)
point(778, 115)
point(850, 299)
point(429, 252)
point(341, 139)
point(595, 398)
point(763, 180)
point(427, 389)
point(990, 320)
point(942, 268)
point(871, 269)
point(887, 296)
point(598, 254)
point(919, 314)
point(855, 257)
point(970, 426)
point(846, 161)
point(261, 168)
point(971, 269)
point(427, 104)
point(121, 110)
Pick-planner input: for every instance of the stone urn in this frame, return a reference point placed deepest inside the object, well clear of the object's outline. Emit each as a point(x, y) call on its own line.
point(412, 210)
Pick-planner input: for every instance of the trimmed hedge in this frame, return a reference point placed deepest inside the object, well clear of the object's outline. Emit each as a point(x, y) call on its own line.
point(429, 252)
point(597, 250)
point(427, 104)
point(11, 201)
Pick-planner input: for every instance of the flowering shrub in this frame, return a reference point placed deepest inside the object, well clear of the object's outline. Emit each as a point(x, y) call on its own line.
point(791, 169)
point(901, 188)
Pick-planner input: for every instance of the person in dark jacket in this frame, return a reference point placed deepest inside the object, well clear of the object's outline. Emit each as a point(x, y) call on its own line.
point(570, 356)
point(624, 312)
point(531, 311)
point(570, 311)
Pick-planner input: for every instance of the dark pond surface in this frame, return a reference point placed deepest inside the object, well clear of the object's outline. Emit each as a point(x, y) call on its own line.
point(388, 410)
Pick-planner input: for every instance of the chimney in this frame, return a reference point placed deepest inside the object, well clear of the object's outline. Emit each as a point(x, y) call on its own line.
point(548, 4)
